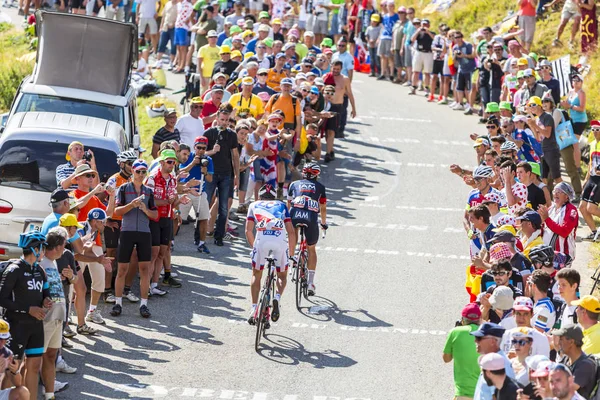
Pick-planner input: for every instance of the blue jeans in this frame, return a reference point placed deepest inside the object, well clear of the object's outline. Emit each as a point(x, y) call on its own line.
point(167, 37)
point(374, 59)
point(222, 183)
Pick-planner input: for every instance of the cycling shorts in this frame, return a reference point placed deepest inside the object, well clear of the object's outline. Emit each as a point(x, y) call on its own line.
point(111, 236)
point(265, 243)
point(308, 218)
point(26, 338)
point(142, 241)
point(162, 231)
point(591, 190)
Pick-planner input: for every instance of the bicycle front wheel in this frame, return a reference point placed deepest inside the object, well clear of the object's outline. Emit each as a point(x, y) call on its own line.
point(260, 320)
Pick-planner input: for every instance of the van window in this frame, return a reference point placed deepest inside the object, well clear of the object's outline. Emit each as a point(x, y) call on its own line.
point(32, 164)
point(44, 103)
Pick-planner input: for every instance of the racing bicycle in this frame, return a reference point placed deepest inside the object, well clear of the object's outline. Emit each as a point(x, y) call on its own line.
point(300, 273)
point(262, 314)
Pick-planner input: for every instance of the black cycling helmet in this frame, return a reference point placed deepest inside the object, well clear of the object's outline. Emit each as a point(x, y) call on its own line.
point(542, 254)
point(311, 170)
point(267, 192)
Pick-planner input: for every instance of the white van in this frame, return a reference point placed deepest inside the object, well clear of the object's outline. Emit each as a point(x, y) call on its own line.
point(31, 147)
point(82, 67)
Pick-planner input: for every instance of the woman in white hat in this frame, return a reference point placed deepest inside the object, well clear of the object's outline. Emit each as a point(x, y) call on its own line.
point(521, 342)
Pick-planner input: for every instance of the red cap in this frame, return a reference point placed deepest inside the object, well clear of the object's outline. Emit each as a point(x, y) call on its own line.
point(201, 139)
point(471, 312)
point(595, 123)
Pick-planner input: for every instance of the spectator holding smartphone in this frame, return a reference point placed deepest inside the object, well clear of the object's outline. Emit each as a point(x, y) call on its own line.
point(10, 368)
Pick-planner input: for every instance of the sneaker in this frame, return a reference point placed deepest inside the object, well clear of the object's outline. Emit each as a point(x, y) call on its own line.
point(109, 298)
point(442, 102)
point(68, 332)
point(431, 98)
point(62, 366)
point(210, 234)
point(440, 98)
point(311, 289)
point(170, 281)
point(251, 319)
point(228, 236)
point(85, 329)
point(468, 110)
point(279, 193)
point(556, 43)
point(381, 78)
point(115, 312)
point(407, 83)
point(332, 155)
point(60, 386)
point(203, 249)
point(95, 317)
point(242, 209)
point(233, 231)
point(458, 107)
point(413, 90)
point(65, 344)
point(328, 158)
point(145, 312)
point(590, 237)
point(157, 291)
point(132, 297)
point(233, 216)
point(219, 242)
point(170, 67)
point(275, 312)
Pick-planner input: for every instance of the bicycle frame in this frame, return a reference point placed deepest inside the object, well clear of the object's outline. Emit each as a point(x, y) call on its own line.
point(301, 270)
point(263, 310)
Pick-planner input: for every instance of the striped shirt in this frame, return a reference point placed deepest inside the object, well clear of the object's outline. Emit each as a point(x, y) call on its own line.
point(164, 135)
point(544, 315)
point(63, 172)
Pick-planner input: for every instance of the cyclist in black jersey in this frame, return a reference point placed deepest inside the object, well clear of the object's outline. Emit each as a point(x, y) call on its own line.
point(306, 201)
point(25, 295)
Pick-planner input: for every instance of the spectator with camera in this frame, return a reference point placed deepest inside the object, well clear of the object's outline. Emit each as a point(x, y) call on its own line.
point(200, 167)
point(76, 156)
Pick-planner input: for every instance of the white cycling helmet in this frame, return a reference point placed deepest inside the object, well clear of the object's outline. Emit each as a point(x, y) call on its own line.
point(509, 146)
point(483, 171)
point(125, 156)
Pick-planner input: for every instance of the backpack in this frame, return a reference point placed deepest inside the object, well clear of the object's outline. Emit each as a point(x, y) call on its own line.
point(5, 264)
point(595, 395)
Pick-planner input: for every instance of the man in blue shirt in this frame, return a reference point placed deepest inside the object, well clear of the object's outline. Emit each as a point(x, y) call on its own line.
point(59, 201)
point(346, 58)
point(200, 168)
point(384, 50)
point(225, 34)
point(464, 56)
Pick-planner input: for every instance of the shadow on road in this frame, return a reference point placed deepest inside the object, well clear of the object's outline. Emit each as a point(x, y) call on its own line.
point(323, 310)
point(284, 350)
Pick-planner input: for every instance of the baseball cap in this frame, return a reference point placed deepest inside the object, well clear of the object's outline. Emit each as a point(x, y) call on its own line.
point(500, 250)
point(169, 111)
point(471, 311)
point(492, 107)
point(535, 168)
point(217, 88)
point(492, 198)
point(543, 369)
point(262, 71)
point(520, 74)
point(200, 140)
point(535, 100)
point(247, 81)
point(264, 96)
point(4, 330)
point(279, 55)
point(300, 76)
point(276, 21)
point(513, 43)
point(314, 90)
point(319, 82)
point(489, 329)
point(518, 118)
point(58, 195)
point(503, 236)
point(96, 214)
point(534, 218)
point(263, 28)
point(502, 298)
point(294, 32)
point(544, 63)
point(247, 33)
point(140, 164)
point(492, 362)
point(327, 42)
point(307, 61)
point(212, 33)
point(522, 332)
point(425, 21)
point(309, 33)
point(68, 220)
point(506, 223)
point(289, 45)
point(67, 156)
point(533, 361)
point(416, 21)
point(401, 10)
point(166, 154)
point(481, 142)
point(375, 17)
point(522, 61)
point(523, 303)
point(275, 115)
point(572, 332)
point(219, 75)
point(286, 81)
point(237, 38)
point(588, 302)
point(287, 66)
point(527, 73)
point(225, 49)
point(196, 100)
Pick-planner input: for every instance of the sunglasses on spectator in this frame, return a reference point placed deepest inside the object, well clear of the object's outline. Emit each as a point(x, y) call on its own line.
point(546, 67)
point(89, 175)
point(458, 37)
point(170, 162)
point(491, 127)
point(329, 93)
point(261, 47)
point(504, 126)
point(141, 172)
point(498, 273)
point(304, 90)
point(200, 147)
point(197, 106)
point(262, 74)
point(521, 342)
point(595, 129)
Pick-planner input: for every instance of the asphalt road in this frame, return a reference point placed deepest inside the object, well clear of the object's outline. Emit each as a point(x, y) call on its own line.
point(390, 283)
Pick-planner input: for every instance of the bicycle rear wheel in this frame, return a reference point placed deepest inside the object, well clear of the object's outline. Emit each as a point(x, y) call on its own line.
point(304, 274)
point(298, 280)
point(260, 320)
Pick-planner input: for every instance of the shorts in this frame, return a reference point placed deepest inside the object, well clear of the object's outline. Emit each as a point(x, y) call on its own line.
point(98, 7)
point(438, 67)
point(335, 24)
point(256, 5)
point(76, 4)
point(446, 70)
point(423, 62)
point(570, 10)
point(97, 271)
point(53, 334)
point(301, 24)
point(26, 338)
point(181, 37)
point(408, 56)
point(142, 241)
point(257, 174)
point(385, 48)
point(5, 393)
point(302, 216)
point(464, 81)
point(591, 190)
point(579, 127)
point(310, 23)
point(398, 59)
point(111, 236)
point(161, 231)
point(200, 205)
point(150, 23)
point(244, 178)
point(528, 25)
point(333, 124)
point(320, 27)
point(264, 244)
point(551, 164)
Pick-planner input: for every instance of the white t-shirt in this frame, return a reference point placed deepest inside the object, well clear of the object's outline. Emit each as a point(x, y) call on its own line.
point(568, 316)
point(322, 12)
point(544, 315)
point(147, 8)
point(189, 129)
point(540, 345)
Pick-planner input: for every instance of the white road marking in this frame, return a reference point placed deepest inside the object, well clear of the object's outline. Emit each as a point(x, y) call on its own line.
point(393, 227)
point(392, 118)
point(376, 139)
point(398, 163)
point(392, 253)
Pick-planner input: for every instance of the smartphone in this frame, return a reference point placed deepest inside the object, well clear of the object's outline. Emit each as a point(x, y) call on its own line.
point(529, 390)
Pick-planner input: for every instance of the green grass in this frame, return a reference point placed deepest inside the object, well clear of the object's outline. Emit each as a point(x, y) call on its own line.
point(13, 44)
point(148, 126)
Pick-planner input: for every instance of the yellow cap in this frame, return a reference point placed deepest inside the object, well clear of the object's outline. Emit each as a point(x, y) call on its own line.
point(68, 220)
point(589, 302)
point(375, 17)
point(276, 21)
point(236, 53)
point(67, 156)
point(247, 33)
point(4, 329)
point(508, 228)
point(535, 100)
point(248, 55)
point(197, 100)
point(522, 61)
point(248, 81)
point(225, 49)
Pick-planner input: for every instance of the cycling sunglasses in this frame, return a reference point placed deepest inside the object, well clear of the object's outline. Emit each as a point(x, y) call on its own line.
point(141, 172)
point(521, 342)
point(498, 273)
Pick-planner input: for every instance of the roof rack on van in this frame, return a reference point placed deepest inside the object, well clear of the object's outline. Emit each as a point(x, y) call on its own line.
point(82, 52)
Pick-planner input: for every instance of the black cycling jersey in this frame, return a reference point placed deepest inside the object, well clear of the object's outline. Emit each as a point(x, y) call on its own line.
point(22, 286)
